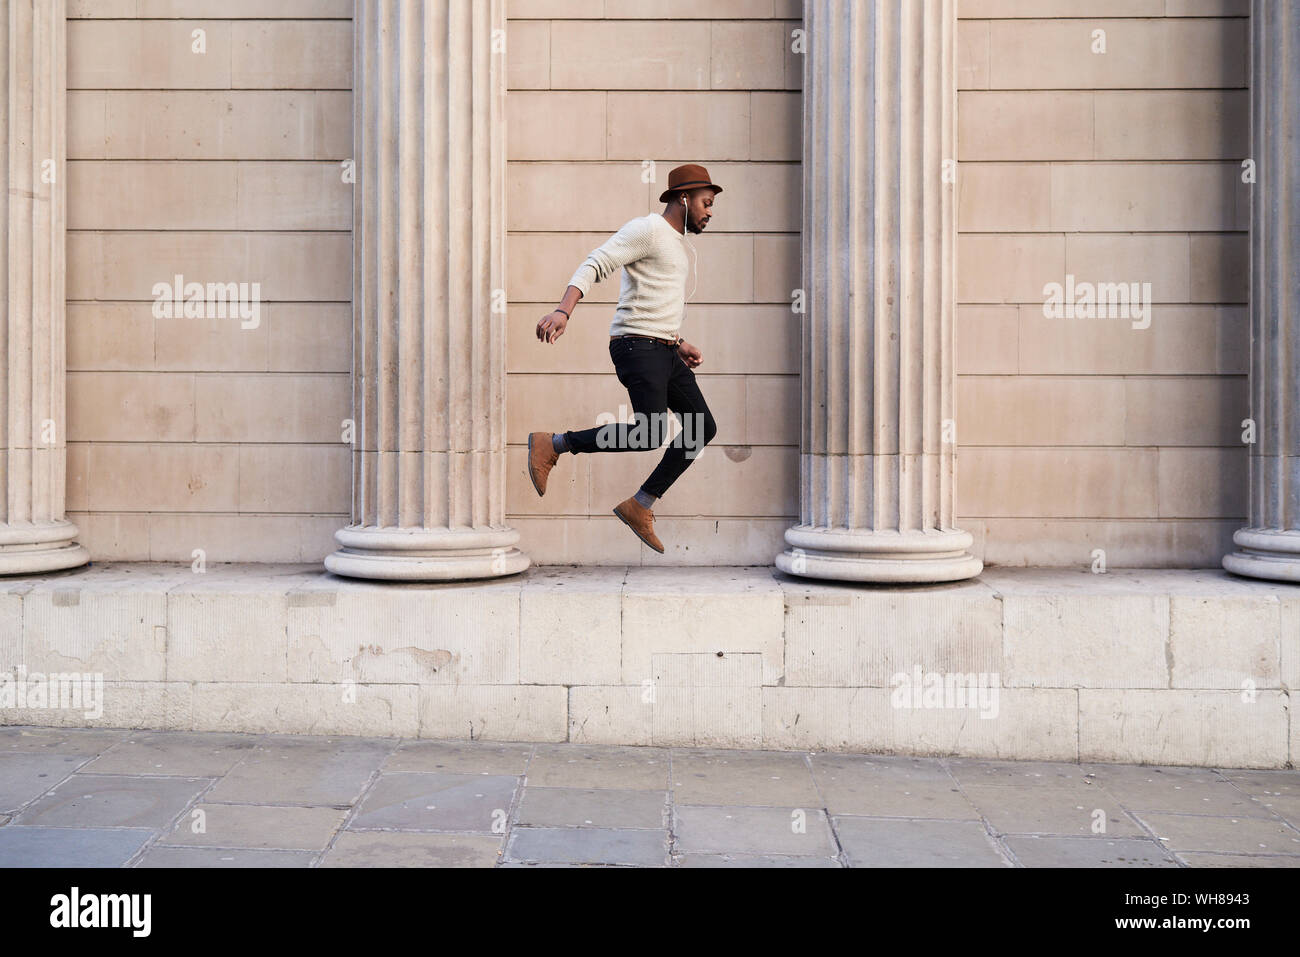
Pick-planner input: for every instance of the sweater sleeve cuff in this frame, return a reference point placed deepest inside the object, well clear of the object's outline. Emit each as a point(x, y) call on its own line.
point(581, 279)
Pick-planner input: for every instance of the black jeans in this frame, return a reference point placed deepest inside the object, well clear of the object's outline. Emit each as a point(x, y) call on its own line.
point(657, 380)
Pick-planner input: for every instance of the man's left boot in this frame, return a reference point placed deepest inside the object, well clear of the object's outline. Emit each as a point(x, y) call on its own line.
point(541, 459)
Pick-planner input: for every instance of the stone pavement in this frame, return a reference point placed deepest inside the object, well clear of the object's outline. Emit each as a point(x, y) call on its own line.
point(106, 798)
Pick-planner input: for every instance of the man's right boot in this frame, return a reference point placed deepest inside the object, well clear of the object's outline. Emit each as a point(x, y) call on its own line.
point(641, 520)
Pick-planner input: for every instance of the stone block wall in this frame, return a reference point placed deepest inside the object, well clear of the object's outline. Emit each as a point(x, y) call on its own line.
point(1081, 433)
point(1074, 434)
point(214, 155)
point(605, 97)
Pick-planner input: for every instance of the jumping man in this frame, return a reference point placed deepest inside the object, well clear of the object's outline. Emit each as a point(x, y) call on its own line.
point(652, 361)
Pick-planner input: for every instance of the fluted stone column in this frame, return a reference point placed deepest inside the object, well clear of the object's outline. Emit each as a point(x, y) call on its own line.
point(34, 535)
point(877, 453)
point(1269, 547)
point(428, 498)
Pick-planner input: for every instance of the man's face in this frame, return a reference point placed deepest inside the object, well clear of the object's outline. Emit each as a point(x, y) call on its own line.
point(699, 208)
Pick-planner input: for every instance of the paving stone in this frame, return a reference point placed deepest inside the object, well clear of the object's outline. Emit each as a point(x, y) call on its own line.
point(558, 865)
point(104, 800)
point(1244, 835)
point(589, 845)
point(70, 847)
point(299, 770)
point(1143, 776)
point(752, 830)
point(252, 826)
point(1180, 790)
point(1052, 810)
point(388, 849)
point(1279, 791)
point(461, 757)
point(1265, 782)
point(1240, 860)
point(187, 754)
point(96, 797)
point(753, 860)
point(1016, 773)
point(437, 802)
point(748, 778)
point(224, 857)
point(85, 741)
point(878, 842)
point(598, 766)
point(1088, 852)
point(26, 776)
point(596, 807)
point(889, 787)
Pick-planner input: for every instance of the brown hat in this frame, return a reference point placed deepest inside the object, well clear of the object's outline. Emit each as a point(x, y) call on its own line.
point(689, 176)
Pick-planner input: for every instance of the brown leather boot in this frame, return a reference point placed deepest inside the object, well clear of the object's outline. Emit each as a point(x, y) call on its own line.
point(541, 459)
point(641, 520)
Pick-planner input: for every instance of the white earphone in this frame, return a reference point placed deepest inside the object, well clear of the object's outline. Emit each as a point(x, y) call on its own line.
point(694, 256)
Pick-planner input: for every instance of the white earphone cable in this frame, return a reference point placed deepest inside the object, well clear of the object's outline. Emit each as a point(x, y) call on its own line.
point(695, 263)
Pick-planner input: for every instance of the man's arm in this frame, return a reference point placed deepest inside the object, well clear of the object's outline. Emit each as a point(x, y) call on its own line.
point(627, 245)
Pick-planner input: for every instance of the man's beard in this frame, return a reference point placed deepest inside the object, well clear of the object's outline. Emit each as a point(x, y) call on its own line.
point(691, 225)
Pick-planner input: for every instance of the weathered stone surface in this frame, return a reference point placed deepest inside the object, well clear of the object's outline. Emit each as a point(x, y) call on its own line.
point(437, 802)
point(355, 849)
point(422, 635)
point(840, 636)
point(889, 787)
point(1030, 723)
point(587, 766)
point(103, 800)
point(493, 712)
point(1186, 832)
point(1204, 728)
point(1039, 851)
point(1088, 641)
point(1078, 810)
point(466, 757)
point(877, 843)
point(1227, 643)
point(301, 708)
point(303, 770)
point(187, 755)
point(647, 848)
point(592, 807)
point(25, 777)
point(802, 832)
point(240, 857)
point(251, 826)
point(755, 778)
point(70, 847)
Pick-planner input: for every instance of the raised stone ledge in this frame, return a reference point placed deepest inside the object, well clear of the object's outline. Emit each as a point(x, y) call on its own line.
point(1156, 666)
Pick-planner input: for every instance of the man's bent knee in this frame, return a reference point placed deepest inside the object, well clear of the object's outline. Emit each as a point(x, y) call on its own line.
point(698, 430)
point(710, 428)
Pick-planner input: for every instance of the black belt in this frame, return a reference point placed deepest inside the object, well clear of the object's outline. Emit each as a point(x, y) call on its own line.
point(629, 335)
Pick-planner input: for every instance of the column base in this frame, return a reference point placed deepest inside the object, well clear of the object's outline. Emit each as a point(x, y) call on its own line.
point(1270, 553)
point(33, 548)
point(862, 555)
point(426, 554)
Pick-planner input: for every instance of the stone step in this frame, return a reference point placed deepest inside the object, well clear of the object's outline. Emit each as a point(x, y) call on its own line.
point(1184, 667)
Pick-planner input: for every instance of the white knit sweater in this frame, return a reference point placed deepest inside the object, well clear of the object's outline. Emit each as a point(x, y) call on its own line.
point(655, 263)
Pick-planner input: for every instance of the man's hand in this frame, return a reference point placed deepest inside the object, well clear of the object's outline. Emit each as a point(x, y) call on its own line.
point(690, 354)
point(552, 326)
